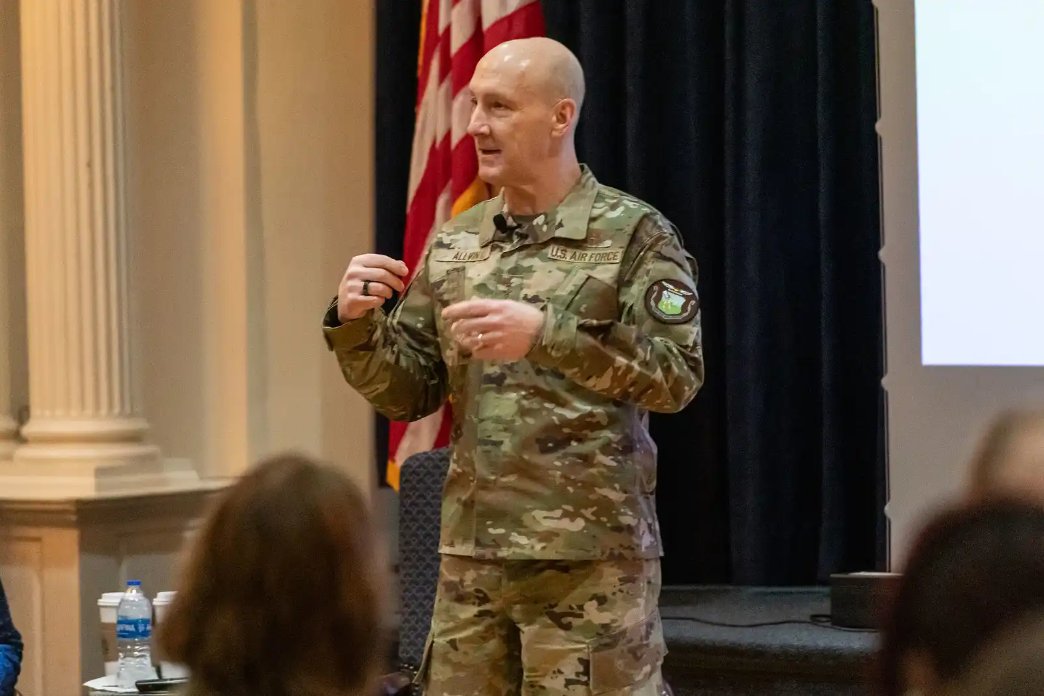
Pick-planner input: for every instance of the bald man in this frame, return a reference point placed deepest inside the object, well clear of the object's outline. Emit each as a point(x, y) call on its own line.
point(553, 317)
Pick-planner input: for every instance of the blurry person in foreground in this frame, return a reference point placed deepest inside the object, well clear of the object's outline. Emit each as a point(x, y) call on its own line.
point(1013, 665)
point(1009, 462)
point(973, 572)
point(282, 592)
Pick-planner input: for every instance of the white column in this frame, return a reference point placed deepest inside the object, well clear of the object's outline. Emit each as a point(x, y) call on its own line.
point(85, 432)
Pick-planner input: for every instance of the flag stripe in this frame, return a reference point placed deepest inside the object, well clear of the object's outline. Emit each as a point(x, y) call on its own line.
point(429, 42)
point(473, 195)
point(465, 57)
point(445, 13)
point(431, 128)
point(527, 20)
point(493, 10)
point(420, 216)
point(465, 166)
point(464, 24)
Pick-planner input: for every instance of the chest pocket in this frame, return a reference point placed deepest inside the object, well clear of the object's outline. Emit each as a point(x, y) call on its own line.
point(448, 285)
point(589, 297)
point(448, 273)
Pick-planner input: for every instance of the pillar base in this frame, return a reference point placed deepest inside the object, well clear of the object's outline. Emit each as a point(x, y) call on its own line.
point(8, 435)
point(51, 470)
point(57, 555)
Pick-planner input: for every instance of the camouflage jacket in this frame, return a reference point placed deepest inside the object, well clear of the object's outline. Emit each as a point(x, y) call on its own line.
point(552, 457)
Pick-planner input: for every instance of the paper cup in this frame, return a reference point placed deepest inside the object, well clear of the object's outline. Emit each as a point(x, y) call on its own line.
point(161, 603)
point(107, 605)
point(169, 670)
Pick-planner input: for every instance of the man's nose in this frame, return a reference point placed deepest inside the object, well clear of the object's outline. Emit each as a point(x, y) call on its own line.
point(477, 124)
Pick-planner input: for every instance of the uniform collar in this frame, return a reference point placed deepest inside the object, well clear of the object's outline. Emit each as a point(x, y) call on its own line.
point(567, 220)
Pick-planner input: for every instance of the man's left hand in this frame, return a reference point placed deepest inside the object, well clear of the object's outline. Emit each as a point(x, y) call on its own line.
point(495, 329)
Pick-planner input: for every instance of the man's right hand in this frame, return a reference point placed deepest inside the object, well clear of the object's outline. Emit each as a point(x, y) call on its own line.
point(378, 275)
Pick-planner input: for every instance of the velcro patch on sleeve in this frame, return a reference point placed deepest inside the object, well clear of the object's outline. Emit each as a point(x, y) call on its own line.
point(671, 301)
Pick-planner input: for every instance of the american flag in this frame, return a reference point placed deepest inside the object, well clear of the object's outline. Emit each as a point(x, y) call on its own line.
point(444, 181)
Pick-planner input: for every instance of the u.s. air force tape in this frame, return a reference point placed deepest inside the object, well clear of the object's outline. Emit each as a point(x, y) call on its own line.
point(671, 301)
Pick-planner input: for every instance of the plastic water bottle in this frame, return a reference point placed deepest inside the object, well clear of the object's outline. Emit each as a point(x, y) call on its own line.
point(133, 632)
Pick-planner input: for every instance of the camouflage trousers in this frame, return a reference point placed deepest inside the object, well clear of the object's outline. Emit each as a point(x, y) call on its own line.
point(545, 628)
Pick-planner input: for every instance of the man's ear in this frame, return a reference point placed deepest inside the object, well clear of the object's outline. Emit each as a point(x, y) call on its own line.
point(562, 116)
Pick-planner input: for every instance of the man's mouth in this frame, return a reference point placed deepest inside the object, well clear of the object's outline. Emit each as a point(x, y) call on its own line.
point(488, 151)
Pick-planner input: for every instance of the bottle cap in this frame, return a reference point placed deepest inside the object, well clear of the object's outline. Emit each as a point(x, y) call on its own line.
point(135, 583)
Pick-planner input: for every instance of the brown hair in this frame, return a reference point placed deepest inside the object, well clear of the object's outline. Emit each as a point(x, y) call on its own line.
point(972, 572)
point(1013, 665)
point(1013, 442)
point(281, 594)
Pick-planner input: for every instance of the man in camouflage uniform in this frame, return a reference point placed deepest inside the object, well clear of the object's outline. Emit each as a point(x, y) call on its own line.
point(553, 317)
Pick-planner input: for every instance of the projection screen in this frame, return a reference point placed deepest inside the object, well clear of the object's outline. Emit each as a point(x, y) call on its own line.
point(962, 180)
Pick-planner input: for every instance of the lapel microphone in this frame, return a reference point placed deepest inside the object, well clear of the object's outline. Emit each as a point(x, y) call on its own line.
point(503, 228)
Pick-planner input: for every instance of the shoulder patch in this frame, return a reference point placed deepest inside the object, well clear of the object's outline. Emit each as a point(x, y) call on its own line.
point(671, 301)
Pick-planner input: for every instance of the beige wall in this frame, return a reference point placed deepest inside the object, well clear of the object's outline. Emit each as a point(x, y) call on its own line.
point(250, 148)
point(315, 126)
point(249, 159)
point(14, 385)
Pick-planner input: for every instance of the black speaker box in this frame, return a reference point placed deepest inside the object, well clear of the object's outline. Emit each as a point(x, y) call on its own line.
point(858, 600)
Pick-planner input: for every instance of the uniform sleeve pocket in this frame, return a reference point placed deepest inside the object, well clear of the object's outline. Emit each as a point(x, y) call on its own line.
point(627, 658)
point(592, 300)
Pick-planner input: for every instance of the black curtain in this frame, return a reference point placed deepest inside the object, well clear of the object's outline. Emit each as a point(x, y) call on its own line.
point(750, 124)
point(398, 39)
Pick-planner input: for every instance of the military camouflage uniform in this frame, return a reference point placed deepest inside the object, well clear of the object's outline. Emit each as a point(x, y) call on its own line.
point(548, 518)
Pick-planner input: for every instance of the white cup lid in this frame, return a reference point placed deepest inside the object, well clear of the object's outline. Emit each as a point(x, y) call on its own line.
point(166, 595)
point(110, 598)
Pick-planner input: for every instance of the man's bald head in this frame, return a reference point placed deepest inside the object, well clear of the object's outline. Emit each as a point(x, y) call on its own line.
point(543, 66)
point(526, 97)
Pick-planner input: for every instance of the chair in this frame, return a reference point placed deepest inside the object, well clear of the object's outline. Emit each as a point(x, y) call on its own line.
point(420, 504)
